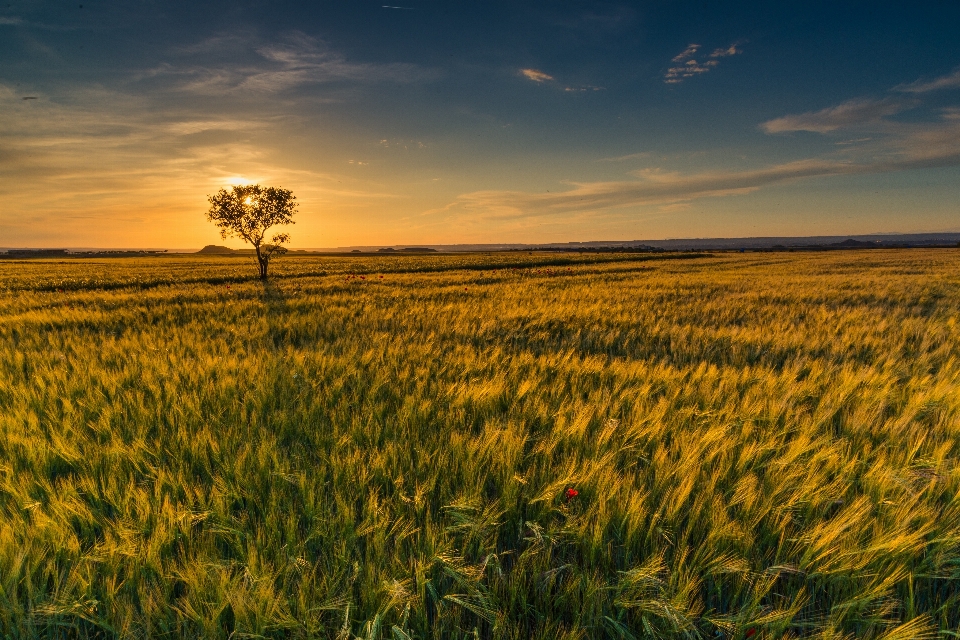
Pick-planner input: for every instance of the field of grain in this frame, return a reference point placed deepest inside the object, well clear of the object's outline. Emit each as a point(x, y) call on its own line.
point(505, 446)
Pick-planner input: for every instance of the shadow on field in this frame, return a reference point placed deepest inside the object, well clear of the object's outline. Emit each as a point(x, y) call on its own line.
point(274, 300)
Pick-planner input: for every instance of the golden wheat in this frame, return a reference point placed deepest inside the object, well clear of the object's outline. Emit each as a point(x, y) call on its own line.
point(760, 445)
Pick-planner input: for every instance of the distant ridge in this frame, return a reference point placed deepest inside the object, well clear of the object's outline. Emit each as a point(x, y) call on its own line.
point(759, 243)
point(216, 249)
point(875, 240)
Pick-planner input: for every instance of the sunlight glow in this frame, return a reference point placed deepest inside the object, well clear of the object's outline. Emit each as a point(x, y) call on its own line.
point(237, 180)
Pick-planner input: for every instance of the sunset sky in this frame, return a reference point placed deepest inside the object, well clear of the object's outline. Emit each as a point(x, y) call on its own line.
point(460, 122)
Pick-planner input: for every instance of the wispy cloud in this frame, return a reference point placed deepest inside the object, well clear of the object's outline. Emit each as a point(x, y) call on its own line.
point(161, 143)
point(193, 126)
point(949, 81)
point(653, 188)
point(10, 21)
point(304, 60)
point(540, 77)
point(845, 115)
point(298, 60)
point(152, 156)
point(732, 50)
point(905, 147)
point(687, 66)
point(535, 75)
point(229, 42)
point(862, 112)
point(629, 156)
point(689, 52)
point(852, 141)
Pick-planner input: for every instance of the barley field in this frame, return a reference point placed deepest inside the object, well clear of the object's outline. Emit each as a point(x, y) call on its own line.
point(482, 446)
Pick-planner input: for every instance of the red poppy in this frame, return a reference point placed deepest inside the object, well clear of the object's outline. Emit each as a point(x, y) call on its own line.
point(750, 633)
point(570, 493)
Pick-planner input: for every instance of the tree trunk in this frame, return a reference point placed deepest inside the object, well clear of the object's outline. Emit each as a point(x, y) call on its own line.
point(262, 261)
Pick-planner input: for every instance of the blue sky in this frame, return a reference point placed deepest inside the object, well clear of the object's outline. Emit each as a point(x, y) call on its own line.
point(445, 122)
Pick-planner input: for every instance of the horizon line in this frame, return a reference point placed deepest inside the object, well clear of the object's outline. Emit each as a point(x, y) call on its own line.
point(501, 245)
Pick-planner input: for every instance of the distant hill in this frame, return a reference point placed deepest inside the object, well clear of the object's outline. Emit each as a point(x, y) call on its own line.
point(866, 241)
point(215, 248)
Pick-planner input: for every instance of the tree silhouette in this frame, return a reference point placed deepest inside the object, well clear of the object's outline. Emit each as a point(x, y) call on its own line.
point(248, 211)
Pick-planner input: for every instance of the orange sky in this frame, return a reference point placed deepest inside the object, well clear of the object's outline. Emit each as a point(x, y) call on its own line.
point(495, 123)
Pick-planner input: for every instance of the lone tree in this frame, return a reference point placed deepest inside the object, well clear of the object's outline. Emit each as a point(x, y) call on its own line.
point(248, 211)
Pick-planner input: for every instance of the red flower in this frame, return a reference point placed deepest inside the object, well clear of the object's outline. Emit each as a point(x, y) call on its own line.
point(750, 633)
point(569, 493)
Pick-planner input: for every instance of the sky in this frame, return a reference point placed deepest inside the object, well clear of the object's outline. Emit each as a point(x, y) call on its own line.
point(443, 122)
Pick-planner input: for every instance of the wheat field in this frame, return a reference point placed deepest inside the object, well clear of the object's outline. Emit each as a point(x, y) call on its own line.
point(482, 446)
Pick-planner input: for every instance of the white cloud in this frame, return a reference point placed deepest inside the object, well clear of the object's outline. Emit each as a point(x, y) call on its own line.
point(653, 188)
point(298, 60)
point(845, 115)
point(853, 141)
point(304, 60)
point(732, 50)
point(535, 75)
point(863, 113)
point(190, 127)
point(540, 77)
point(10, 21)
point(234, 42)
point(686, 66)
point(949, 81)
point(905, 147)
point(629, 156)
point(401, 143)
point(686, 53)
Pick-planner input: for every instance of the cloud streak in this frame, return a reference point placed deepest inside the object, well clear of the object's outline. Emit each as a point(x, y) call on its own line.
point(949, 81)
point(629, 156)
point(152, 158)
point(913, 146)
point(299, 60)
point(653, 188)
point(848, 114)
point(686, 66)
point(732, 50)
point(535, 75)
point(861, 112)
point(689, 52)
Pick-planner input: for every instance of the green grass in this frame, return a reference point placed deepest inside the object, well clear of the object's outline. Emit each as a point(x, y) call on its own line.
point(762, 444)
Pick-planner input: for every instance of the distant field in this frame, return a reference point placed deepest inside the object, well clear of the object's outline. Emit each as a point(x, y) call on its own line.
point(761, 445)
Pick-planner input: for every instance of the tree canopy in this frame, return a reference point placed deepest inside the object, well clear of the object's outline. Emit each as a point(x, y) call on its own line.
point(248, 211)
